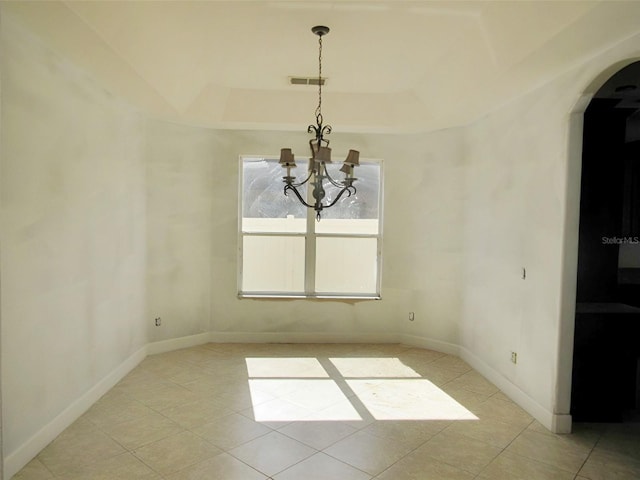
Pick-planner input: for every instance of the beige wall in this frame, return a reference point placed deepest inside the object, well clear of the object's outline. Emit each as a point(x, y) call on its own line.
point(73, 235)
point(514, 215)
point(522, 187)
point(193, 238)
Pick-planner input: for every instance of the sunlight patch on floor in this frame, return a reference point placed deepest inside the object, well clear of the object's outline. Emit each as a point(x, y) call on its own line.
point(300, 399)
point(404, 399)
point(301, 389)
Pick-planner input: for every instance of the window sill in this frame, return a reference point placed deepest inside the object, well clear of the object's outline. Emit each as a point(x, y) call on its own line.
point(285, 296)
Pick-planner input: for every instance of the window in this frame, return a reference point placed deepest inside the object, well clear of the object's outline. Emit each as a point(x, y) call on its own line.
point(285, 252)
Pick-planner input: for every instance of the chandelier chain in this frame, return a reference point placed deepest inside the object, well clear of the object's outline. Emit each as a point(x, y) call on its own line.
point(319, 109)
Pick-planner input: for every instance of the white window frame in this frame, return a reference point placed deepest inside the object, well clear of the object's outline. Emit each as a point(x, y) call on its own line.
point(311, 237)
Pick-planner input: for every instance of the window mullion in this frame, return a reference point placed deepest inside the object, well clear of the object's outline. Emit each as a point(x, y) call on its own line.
point(310, 246)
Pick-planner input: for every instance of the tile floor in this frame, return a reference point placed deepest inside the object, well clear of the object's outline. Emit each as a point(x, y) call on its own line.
point(312, 412)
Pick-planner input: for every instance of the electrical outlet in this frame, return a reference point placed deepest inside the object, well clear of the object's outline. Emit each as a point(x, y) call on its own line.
point(158, 321)
point(514, 357)
point(412, 316)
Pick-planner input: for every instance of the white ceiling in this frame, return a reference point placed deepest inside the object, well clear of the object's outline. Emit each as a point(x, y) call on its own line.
point(391, 65)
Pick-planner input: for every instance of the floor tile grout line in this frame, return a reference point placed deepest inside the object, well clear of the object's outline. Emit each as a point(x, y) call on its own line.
point(221, 453)
point(146, 464)
point(590, 453)
point(404, 456)
point(280, 471)
point(502, 450)
point(467, 471)
point(241, 443)
point(576, 474)
point(328, 446)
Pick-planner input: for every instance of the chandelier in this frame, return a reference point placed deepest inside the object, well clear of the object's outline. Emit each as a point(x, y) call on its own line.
point(318, 174)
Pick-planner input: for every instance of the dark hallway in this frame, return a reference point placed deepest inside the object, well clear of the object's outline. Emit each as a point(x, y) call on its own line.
point(606, 346)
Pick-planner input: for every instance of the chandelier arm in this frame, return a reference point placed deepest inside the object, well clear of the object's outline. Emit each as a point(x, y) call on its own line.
point(351, 190)
point(295, 190)
point(333, 182)
point(303, 182)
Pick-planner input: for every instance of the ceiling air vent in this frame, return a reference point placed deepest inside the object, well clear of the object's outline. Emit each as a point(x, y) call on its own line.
point(307, 80)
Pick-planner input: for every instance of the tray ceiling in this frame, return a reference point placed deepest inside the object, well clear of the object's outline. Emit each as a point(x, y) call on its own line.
point(391, 66)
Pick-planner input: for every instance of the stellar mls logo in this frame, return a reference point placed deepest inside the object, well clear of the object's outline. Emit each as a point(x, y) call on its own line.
point(620, 240)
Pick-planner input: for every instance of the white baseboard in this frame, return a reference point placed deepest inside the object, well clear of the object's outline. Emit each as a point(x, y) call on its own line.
point(553, 422)
point(302, 337)
point(561, 423)
point(178, 343)
point(17, 459)
point(430, 344)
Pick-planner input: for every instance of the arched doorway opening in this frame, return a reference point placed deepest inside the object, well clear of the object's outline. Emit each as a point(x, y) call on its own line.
point(606, 366)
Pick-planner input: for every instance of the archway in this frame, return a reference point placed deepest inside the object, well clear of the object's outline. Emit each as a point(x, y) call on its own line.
point(607, 310)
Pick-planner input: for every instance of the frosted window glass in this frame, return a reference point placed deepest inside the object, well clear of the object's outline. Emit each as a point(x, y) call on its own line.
point(357, 213)
point(346, 265)
point(273, 264)
point(265, 208)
